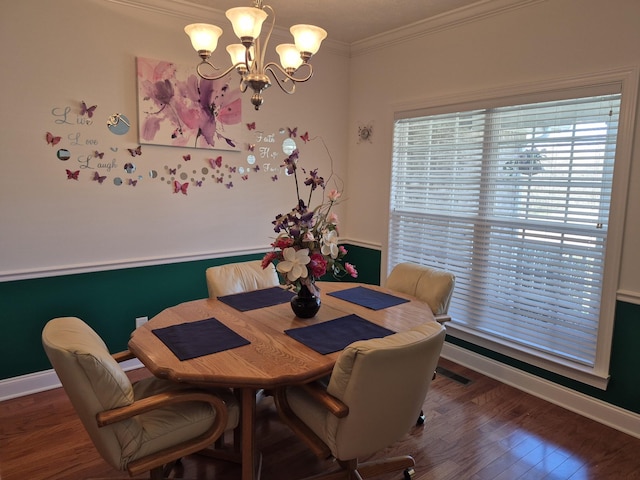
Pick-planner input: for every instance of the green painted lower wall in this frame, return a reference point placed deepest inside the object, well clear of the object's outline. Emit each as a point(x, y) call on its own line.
point(623, 389)
point(110, 301)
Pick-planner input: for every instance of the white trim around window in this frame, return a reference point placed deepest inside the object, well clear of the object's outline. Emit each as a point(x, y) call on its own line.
point(594, 370)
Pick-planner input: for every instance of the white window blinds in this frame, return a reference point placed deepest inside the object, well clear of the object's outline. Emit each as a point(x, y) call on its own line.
point(515, 202)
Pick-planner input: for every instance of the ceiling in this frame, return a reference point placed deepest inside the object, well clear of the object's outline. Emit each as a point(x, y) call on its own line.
point(349, 20)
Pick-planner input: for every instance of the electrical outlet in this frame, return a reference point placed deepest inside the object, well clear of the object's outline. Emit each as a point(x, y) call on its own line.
point(141, 320)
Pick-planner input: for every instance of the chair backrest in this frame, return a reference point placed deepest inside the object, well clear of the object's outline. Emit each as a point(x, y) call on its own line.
point(384, 383)
point(240, 277)
point(430, 285)
point(94, 382)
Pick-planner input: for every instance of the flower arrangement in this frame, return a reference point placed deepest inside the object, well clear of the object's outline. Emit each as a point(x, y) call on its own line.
point(306, 247)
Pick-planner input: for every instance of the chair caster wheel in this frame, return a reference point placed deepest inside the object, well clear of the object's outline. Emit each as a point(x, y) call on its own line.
point(421, 419)
point(409, 473)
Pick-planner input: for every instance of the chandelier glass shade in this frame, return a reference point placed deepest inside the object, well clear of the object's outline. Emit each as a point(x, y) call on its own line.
point(247, 57)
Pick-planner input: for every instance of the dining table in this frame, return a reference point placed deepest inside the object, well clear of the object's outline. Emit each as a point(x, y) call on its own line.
point(221, 342)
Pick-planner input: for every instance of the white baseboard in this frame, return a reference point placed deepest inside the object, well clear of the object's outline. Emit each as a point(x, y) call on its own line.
point(41, 381)
point(602, 412)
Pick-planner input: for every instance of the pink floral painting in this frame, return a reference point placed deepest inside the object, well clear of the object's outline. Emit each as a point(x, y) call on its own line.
point(178, 108)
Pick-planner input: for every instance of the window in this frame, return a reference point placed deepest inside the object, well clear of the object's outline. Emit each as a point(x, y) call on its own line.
point(515, 200)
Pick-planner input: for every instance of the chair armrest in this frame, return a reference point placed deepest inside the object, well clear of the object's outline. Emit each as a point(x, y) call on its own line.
point(442, 318)
point(318, 392)
point(288, 416)
point(160, 400)
point(122, 356)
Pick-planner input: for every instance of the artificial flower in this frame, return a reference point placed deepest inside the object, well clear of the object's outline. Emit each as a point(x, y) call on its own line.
point(294, 263)
point(330, 244)
point(334, 195)
point(307, 244)
point(351, 270)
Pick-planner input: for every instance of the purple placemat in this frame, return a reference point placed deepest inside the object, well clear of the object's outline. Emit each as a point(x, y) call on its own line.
point(368, 297)
point(335, 335)
point(196, 339)
point(266, 297)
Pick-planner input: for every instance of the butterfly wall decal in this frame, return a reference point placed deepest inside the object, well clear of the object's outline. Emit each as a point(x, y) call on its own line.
point(215, 162)
point(274, 178)
point(245, 177)
point(292, 133)
point(256, 168)
point(132, 182)
point(180, 187)
point(72, 175)
point(251, 126)
point(232, 169)
point(187, 157)
point(98, 178)
point(229, 185)
point(198, 183)
point(88, 111)
point(172, 171)
point(98, 154)
point(251, 147)
point(135, 151)
point(305, 137)
point(52, 140)
point(219, 179)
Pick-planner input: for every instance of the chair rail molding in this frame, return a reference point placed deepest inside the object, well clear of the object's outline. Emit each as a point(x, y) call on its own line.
point(628, 296)
point(125, 263)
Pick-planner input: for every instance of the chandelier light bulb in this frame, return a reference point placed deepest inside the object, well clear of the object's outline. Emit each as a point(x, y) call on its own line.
point(308, 37)
point(237, 52)
point(246, 21)
point(204, 37)
point(289, 56)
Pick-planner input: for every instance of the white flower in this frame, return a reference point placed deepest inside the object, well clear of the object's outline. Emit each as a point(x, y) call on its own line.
point(330, 243)
point(294, 263)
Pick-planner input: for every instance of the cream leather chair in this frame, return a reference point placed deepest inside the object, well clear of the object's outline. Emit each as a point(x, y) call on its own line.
point(144, 427)
point(240, 277)
point(370, 402)
point(430, 285)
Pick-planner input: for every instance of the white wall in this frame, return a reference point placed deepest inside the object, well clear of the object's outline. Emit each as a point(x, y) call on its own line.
point(538, 42)
point(73, 50)
point(59, 53)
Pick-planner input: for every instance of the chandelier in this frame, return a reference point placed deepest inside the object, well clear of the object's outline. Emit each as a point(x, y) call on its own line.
point(247, 57)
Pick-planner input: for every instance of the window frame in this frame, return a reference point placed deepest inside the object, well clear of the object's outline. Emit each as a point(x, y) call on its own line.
point(624, 81)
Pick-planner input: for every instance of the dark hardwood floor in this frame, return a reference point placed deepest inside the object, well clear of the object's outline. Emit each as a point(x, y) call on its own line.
point(479, 431)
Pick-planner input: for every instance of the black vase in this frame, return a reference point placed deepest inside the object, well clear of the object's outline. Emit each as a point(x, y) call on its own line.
point(305, 304)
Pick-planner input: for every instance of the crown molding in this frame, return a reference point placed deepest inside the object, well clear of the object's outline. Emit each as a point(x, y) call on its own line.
point(472, 13)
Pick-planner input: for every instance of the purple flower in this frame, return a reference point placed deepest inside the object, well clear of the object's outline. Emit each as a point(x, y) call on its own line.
point(199, 109)
point(163, 91)
point(314, 180)
point(290, 163)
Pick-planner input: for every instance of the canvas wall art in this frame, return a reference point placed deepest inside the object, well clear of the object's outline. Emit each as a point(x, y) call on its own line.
point(178, 108)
